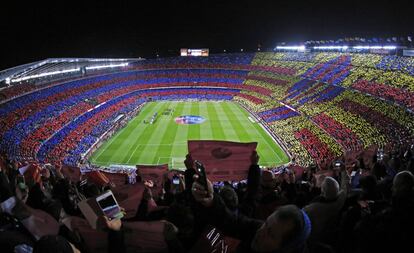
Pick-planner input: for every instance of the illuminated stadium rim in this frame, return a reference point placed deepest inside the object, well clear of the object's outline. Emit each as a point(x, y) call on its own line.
point(341, 47)
point(14, 80)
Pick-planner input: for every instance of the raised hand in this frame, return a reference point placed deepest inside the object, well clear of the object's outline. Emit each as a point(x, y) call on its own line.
point(201, 194)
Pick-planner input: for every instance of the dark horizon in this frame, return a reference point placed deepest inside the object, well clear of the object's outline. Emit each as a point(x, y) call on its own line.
point(121, 29)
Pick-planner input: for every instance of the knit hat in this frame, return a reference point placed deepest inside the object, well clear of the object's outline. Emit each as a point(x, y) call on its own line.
point(330, 188)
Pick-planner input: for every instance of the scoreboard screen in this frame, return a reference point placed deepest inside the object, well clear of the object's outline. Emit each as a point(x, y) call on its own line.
point(194, 52)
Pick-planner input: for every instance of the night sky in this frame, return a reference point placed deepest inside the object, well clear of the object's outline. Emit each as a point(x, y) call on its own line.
point(35, 31)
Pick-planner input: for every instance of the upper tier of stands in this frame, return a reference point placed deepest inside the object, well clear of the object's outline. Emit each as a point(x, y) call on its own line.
point(320, 105)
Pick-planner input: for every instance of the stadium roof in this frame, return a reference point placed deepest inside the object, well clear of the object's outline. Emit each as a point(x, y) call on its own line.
point(59, 67)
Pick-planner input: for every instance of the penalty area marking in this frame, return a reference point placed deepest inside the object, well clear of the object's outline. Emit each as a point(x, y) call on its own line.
point(177, 160)
point(108, 145)
point(133, 152)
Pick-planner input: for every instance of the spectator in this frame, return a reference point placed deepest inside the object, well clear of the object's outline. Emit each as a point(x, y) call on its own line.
point(324, 210)
point(286, 229)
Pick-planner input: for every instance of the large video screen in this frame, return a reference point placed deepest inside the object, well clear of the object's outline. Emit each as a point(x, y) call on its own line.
point(194, 52)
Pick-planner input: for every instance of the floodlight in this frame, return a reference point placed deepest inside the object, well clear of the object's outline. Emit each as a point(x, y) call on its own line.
point(107, 66)
point(294, 48)
point(331, 47)
point(45, 74)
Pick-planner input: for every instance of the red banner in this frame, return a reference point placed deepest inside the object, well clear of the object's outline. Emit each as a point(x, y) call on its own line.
point(129, 197)
point(223, 160)
point(155, 173)
point(98, 178)
point(139, 236)
point(72, 173)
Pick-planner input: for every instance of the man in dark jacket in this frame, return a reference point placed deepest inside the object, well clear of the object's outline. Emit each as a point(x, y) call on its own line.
point(286, 230)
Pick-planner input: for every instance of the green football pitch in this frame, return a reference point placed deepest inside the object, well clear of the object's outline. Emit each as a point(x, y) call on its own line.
point(165, 141)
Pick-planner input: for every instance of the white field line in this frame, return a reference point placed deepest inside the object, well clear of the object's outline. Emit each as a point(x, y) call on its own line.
point(107, 146)
point(133, 153)
point(278, 157)
point(170, 144)
point(263, 139)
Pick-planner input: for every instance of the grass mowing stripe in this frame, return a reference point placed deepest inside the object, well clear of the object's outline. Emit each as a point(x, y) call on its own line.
point(218, 133)
point(129, 148)
point(265, 151)
point(164, 151)
point(278, 151)
point(130, 140)
point(162, 135)
point(122, 141)
point(194, 129)
point(153, 136)
point(226, 124)
point(236, 124)
point(206, 130)
point(269, 148)
point(157, 143)
point(179, 148)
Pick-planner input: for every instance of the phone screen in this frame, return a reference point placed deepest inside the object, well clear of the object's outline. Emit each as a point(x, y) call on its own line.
point(8, 205)
point(176, 180)
point(109, 206)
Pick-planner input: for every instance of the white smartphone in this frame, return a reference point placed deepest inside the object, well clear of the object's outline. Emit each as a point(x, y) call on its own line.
point(109, 205)
point(8, 205)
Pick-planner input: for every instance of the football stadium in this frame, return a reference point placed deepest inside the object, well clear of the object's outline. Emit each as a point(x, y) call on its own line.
point(300, 147)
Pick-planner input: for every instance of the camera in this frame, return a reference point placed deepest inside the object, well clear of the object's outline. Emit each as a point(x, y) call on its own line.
point(176, 180)
point(380, 155)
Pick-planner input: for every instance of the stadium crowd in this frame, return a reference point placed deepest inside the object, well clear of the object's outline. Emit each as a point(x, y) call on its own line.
point(363, 205)
point(337, 196)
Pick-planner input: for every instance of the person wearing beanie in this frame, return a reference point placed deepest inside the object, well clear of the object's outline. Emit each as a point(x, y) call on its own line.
point(324, 210)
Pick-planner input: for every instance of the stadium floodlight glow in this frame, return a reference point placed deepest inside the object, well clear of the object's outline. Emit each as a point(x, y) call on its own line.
point(100, 60)
point(44, 74)
point(331, 47)
point(389, 47)
point(361, 47)
point(293, 48)
point(7, 80)
point(376, 47)
point(107, 66)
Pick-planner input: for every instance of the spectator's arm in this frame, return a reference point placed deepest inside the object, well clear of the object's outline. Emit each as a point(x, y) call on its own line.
point(253, 181)
point(214, 210)
point(5, 187)
point(345, 181)
point(248, 204)
point(238, 226)
point(253, 178)
point(116, 243)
